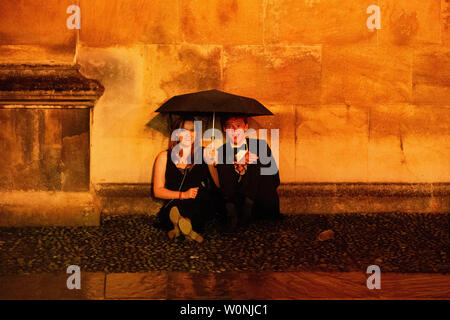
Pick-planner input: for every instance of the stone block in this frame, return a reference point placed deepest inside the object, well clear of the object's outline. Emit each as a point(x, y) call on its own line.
point(331, 143)
point(50, 142)
point(366, 74)
point(445, 22)
point(410, 22)
point(129, 159)
point(315, 21)
point(75, 156)
point(222, 21)
point(152, 285)
point(177, 69)
point(51, 287)
point(20, 161)
point(37, 23)
point(26, 54)
point(120, 72)
point(42, 154)
point(400, 204)
point(190, 285)
point(39, 208)
point(409, 143)
point(105, 23)
point(126, 198)
point(431, 76)
point(275, 75)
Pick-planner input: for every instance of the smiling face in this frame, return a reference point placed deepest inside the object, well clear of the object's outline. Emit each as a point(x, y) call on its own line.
point(187, 136)
point(235, 128)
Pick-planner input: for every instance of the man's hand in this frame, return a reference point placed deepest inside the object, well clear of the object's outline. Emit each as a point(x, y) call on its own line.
point(252, 158)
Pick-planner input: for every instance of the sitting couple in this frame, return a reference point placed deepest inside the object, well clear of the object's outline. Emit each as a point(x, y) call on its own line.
point(233, 185)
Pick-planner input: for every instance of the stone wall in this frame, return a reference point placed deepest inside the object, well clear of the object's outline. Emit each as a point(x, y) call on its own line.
point(353, 105)
point(45, 149)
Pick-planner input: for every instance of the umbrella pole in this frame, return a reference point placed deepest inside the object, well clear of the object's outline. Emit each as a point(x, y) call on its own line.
point(213, 151)
point(214, 120)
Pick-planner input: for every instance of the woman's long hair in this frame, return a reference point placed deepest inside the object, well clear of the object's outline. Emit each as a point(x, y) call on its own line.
point(178, 123)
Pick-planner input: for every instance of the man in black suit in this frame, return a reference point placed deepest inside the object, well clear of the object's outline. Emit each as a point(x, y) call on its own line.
point(248, 175)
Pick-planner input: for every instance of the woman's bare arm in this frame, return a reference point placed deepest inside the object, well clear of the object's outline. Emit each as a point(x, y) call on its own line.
point(159, 191)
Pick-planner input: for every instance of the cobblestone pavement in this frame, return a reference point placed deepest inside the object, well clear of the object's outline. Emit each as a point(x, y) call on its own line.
point(405, 243)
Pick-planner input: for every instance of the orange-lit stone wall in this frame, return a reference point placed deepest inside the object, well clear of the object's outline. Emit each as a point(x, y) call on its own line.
point(352, 105)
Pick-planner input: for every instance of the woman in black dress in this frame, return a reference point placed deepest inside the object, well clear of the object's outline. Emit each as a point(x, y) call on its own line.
point(185, 185)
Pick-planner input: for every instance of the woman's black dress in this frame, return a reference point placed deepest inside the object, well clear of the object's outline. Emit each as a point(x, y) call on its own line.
point(199, 209)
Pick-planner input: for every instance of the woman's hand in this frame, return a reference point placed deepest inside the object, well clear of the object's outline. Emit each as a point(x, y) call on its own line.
point(190, 194)
point(248, 158)
point(210, 155)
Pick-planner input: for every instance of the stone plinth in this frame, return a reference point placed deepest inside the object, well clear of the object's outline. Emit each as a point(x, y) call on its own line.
point(45, 118)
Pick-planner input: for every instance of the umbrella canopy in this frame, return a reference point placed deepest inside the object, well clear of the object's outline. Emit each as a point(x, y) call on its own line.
point(214, 101)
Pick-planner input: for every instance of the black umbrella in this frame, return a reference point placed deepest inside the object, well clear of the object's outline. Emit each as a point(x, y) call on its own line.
point(213, 101)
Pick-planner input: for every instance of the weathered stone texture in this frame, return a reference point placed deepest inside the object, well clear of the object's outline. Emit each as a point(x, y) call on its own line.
point(48, 208)
point(21, 54)
point(222, 21)
point(331, 143)
point(410, 22)
point(431, 76)
point(137, 81)
point(304, 198)
point(51, 287)
point(445, 19)
point(135, 286)
point(405, 140)
point(37, 23)
point(265, 285)
point(118, 69)
point(49, 84)
point(317, 21)
point(366, 74)
point(176, 69)
point(42, 152)
point(123, 22)
point(275, 75)
point(120, 114)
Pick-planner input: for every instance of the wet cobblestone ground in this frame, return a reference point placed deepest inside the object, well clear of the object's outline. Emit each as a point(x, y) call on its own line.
point(405, 243)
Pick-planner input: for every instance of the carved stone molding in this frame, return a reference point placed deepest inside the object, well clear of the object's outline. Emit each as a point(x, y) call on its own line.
point(60, 86)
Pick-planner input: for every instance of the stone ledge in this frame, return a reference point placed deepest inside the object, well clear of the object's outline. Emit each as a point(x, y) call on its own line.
point(367, 189)
point(301, 198)
point(24, 84)
point(40, 208)
point(124, 189)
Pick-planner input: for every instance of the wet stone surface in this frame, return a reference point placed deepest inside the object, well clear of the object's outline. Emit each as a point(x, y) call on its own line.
point(396, 242)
